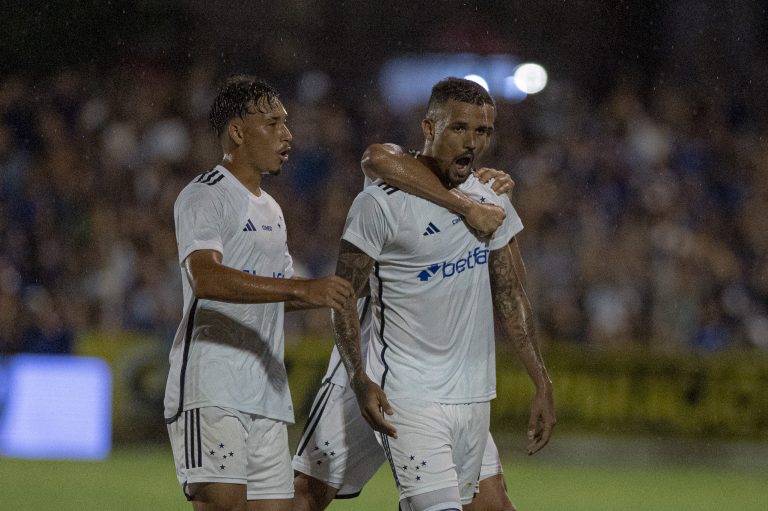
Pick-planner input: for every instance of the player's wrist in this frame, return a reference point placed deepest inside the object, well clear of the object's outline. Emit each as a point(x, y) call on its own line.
point(462, 204)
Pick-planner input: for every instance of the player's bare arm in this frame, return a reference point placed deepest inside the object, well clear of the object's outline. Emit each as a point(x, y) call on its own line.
point(355, 266)
point(211, 280)
point(398, 168)
point(507, 274)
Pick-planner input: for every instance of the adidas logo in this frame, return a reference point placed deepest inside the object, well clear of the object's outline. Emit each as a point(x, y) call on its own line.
point(431, 229)
point(249, 226)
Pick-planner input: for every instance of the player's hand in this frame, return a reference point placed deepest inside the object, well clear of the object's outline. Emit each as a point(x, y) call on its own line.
point(484, 219)
point(502, 183)
point(332, 291)
point(373, 405)
point(542, 419)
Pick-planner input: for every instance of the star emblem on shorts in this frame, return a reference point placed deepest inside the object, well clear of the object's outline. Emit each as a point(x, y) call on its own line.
point(418, 478)
point(482, 199)
point(327, 443)
point(221, 446)
point(424, 463)
point(405, 467)
point(212, 452)
point(413, 457)
point(222, 467)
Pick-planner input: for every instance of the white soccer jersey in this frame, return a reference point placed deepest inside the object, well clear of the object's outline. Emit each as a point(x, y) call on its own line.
point(224, 354)
point(432, 312)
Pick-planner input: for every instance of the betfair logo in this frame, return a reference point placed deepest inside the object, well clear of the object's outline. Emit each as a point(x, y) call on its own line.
point(447, 269)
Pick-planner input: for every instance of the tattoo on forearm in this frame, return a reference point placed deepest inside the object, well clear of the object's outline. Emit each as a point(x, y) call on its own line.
point(511, 302)
point(354, 266)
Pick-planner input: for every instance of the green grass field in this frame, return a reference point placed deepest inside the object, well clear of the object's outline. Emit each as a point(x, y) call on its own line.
point(143, 479)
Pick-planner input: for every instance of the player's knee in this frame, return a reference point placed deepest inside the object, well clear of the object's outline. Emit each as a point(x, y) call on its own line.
point(311, 494)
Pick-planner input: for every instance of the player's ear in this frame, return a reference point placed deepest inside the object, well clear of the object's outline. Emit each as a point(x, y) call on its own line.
point(235, 132)
point(428, 129)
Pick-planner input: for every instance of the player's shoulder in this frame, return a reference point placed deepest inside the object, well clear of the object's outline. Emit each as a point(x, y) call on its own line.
point(208, 186)
point(380, 196)
point(381, 191)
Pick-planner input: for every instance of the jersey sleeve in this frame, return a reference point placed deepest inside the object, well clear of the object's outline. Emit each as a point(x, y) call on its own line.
point(368, 226)
point(199, 222)
point(509, 228)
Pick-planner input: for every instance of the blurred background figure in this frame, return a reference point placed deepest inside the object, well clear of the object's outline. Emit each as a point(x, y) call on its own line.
point(641, 167)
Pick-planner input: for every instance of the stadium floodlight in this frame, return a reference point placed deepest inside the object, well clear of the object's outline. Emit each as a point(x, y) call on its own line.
point(530, 78)
point(482, 82)
point(511, 91)
point(406, 81)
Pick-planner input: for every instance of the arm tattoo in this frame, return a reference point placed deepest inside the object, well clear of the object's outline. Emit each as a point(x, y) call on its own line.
point(514, 310)
point(354, 266)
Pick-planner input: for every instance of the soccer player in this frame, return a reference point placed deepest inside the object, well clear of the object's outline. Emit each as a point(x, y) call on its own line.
point(434, 288)
point(227, 401)
point(338, 452)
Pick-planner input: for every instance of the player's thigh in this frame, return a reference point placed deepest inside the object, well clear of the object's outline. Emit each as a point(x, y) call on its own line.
point(421, 457)
point(311, 494)
point(471, 421)
point(492, 496)
point(209, 446)
point(217, 496)
point(491, 460)
point(445, 499)
point(338, 447)
point(270, 505)
point(269, 472)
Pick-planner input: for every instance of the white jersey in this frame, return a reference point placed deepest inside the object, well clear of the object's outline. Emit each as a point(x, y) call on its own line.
point(224, 354)
point(432, 315)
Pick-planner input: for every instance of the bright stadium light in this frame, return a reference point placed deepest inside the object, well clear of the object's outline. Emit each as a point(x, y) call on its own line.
point(511, 91)
point(478, 80)
point(530, 78)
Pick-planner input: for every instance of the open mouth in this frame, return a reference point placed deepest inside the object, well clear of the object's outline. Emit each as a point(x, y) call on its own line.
point(284, 153)
point(463, 164)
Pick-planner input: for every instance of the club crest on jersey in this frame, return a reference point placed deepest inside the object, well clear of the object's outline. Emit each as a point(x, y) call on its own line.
point(447, 269)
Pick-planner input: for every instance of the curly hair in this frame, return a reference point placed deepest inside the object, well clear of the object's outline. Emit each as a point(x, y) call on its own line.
point(236, 95)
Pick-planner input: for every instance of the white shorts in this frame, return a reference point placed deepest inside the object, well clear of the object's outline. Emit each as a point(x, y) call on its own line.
point(339, 448)
point(220, 445)
point(437, 446)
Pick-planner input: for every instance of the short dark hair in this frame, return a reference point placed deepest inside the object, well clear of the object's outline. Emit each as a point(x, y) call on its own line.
point(458, 89)
point(236, 95)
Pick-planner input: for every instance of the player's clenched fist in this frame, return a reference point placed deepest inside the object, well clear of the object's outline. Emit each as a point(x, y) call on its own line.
point(485, 219)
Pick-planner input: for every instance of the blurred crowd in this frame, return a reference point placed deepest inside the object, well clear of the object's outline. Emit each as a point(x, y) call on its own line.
point(646, 215)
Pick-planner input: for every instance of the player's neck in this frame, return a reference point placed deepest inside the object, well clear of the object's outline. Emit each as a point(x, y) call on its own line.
point(432, 163)
point(247, 175)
